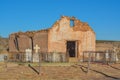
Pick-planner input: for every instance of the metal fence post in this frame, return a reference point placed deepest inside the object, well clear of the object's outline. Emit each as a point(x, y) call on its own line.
point(89, 59)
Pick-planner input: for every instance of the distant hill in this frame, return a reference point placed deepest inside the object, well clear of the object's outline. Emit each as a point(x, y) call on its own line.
point(3, 45)
point(98, 41)
point(106, 44)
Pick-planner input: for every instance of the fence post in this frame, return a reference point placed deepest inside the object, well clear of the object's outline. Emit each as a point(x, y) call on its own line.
point(83, 56)
point(39, 64)
point(5, 60)
point(89, 59)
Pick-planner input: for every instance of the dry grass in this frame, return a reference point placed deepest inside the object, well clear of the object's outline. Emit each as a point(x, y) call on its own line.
point(61, 71)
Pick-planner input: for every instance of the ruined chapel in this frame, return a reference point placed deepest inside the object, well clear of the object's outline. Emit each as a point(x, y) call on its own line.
point(67, 34)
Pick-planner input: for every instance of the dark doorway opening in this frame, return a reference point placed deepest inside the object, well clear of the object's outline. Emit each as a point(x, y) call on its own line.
point(71, 48)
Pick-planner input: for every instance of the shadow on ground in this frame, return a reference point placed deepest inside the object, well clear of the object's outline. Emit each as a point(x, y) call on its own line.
point(84, 69)
point(33, 69)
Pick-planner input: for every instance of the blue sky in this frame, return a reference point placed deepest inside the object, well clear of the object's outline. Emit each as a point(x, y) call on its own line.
point(27, 15)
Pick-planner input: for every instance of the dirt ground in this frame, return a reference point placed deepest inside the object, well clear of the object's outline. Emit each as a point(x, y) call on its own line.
point(59, 71)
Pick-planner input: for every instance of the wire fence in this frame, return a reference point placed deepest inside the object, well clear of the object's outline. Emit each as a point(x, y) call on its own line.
point(100, 56)
point(44, 56)
point(95, 56)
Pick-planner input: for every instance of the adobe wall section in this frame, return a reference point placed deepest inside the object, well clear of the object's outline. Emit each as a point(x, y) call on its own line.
point(24, 42)
point(41, 39)
point(11, 44)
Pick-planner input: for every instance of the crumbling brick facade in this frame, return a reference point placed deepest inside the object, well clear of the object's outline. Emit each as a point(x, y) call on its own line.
point(67, 33)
